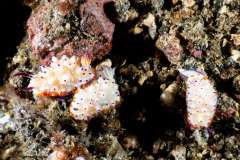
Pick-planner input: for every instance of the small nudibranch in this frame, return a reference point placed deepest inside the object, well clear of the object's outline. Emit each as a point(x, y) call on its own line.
point(96, 97)
point(62, 77)
point(201, 99)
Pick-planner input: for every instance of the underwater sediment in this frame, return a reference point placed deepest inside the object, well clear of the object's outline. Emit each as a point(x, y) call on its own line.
point(147, 42)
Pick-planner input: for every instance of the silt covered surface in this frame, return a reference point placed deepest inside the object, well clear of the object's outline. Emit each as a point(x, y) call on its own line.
point(150, 41)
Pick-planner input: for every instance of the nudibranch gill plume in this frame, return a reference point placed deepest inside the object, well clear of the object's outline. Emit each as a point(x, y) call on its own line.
point(201, 99)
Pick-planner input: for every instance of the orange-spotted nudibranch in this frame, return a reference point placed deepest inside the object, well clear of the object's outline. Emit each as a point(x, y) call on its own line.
point(96, 97)
point(62, 77)
point(201, 99)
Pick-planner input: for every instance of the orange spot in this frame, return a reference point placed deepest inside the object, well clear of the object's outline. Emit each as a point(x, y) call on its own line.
point(83, 88)
point(215, 93)
point(45, 94)
point(204, 78)
point(90, 118)
point(187, 101)
point(188, 115)
point(186, 79)
point(213, 115)
point(214, 110)
point(192, 75)
point(40, 95)
point(188, 121)
point(104, 111)
point(201, 127)
point(75, 117)
point(209, 123)
point(186, 95)
point(210, 83)
point(216, 103)
point(192, 126)
point(55, 93)
point(74, 101)
point(187, 84)
point(74, 97)
point(71, 114)
point(71, 105)
point(188, 112)
point(210, 119)
point(187, 106)
point(116, 101)
point(86, 85)
point(186, 90)
point(62, 94)
point(198, 74)
point(111, 107)
point(55, 135)
point(76, 91)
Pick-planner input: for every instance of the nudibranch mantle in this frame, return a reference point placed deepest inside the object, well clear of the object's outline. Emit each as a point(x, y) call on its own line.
point(62, 77)
point(96, 97)
point(201, 99)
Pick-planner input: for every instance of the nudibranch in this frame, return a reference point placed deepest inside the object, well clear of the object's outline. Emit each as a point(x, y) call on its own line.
point(201, 99)
point(62, 77)
point(96, 97)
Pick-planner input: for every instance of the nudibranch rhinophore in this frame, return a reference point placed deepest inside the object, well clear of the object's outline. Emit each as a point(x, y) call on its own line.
point(62, 77)
point(96, 97)
point(201, 99)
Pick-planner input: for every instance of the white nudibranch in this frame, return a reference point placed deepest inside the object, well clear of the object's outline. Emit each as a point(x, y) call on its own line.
point(62, 77)
point(201, 99)
point(96, 97)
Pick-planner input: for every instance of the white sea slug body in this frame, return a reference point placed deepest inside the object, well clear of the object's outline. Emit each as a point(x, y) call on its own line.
point(201, 99)
point(99, 96)
point(62, 77)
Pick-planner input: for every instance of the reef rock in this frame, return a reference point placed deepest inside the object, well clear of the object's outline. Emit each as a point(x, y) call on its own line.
point(59, 28)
